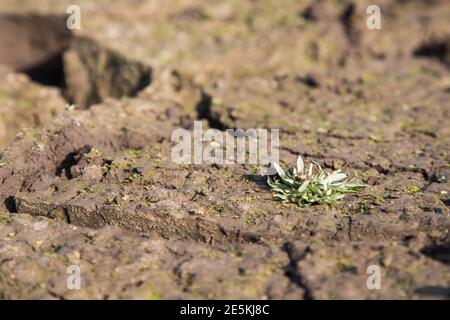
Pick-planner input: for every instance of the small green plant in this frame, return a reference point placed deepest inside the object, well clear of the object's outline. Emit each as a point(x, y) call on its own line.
point(313, 185)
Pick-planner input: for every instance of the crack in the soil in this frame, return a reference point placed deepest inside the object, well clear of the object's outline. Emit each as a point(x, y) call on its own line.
point(204, 111)
point(293, 272)
point(148, 222)
point(346, 19)
point(10, 204)
point(438, 49)
point(438, 251)
point(184, 283)
point(339, 227)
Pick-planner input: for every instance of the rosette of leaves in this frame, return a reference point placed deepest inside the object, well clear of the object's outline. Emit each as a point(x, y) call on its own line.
point(312, 185)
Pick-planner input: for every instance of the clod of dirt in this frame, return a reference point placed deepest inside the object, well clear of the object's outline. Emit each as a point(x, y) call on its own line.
point(83, 72)
point(34, 44)
point(71, 160)
point(42, 47)
point(94, 73)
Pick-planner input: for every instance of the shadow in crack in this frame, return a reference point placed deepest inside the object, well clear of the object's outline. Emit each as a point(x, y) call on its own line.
point(49, 73)
point(259, 180)
point(438, 49)
point(10, 204)
point(435, 291)
point(439, 252)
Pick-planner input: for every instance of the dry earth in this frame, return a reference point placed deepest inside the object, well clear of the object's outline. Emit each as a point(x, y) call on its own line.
point(96, 186)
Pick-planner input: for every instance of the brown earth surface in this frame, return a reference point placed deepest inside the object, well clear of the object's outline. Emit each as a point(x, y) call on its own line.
point(95, 185)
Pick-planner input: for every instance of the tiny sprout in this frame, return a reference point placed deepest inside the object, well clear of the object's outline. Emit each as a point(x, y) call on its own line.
point(70, 107)
point(311, 185)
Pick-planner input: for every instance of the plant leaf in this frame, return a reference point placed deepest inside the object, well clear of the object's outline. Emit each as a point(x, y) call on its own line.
point(334, 177)
point(300, 165)
point(303, 186)
point(280, 171)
